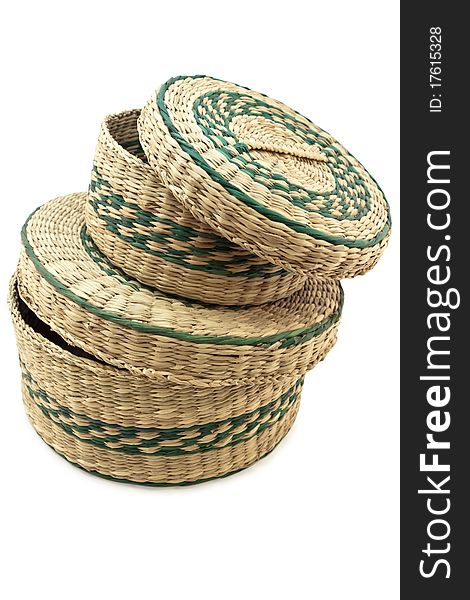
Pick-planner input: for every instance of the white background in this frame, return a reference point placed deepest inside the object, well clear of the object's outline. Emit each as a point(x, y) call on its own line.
point(318, 518)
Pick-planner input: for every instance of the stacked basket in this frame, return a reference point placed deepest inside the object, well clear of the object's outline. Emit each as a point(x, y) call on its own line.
point(166, 319)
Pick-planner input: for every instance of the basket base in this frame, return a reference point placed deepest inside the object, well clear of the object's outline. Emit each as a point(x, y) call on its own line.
point(159, 471)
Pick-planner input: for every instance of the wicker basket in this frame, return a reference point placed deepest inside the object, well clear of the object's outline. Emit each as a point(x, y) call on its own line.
point(138, 224)
point(73, 288)
point(265, 177)
point(132, 428)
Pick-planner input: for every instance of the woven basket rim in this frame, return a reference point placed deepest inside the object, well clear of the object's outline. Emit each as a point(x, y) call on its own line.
point(284, 309)
point(109, 139)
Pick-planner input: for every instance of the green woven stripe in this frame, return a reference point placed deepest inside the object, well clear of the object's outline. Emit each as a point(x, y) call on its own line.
point(285, 339)
point(302, 195)
point(166, 442)
point(151, 483)
point(99, 258)
point(128, 221)
point(344, 174)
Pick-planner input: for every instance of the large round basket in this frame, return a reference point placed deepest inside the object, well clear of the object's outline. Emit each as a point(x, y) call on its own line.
point(129, 427)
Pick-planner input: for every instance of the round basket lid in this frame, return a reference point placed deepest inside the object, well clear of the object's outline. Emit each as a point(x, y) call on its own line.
point(265, 177)
point(95, 306)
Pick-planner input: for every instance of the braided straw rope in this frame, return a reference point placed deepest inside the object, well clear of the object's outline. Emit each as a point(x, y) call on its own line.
point(139, 225)
point(265, 177)
point(71, 287)
point(126, 426)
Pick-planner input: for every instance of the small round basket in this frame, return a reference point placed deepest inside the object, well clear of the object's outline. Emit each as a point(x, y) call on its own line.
point(129, 427)
point(141, 227)
point(265, 177)
point(72, 287)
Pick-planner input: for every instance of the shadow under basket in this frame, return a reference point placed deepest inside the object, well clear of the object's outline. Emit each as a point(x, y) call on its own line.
point(139, 429)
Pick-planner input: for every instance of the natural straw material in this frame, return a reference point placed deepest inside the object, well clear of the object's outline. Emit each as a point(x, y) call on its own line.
point(140, 226)
point(265, 177)
point(70, 285)
point(126, 426)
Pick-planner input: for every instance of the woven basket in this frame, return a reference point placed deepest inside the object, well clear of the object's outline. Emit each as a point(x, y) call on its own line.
point(132, 428)
point(71, 286)
point(265, 177)
point(138, 224)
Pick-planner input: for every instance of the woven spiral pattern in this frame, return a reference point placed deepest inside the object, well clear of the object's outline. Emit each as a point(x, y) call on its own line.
point(265, 177)
point(71, 286)
point(127, 426)
point(140, 226)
